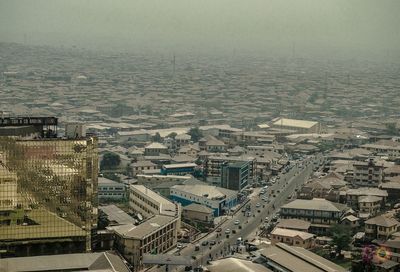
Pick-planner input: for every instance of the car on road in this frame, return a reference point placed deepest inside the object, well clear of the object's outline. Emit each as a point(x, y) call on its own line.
point(197, 247)
point(179, 246)
point(258, 205)
point(219, 229)
point(248, 214)
point(237, 222)
point(262, 192)
point(227, 231)
point(264, 199)
point(204, 243)
point(212, 242)
point(266, 219)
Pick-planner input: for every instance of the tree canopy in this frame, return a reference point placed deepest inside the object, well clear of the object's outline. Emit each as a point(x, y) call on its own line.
point(195, 134)
point(110, 160)
point(341, 237)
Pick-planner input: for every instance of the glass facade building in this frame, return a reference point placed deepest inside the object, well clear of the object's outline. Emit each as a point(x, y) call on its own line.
point(48, 195)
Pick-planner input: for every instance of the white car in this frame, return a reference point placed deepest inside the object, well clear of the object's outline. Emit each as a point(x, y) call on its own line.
point(227, 231)
point(179, 246)
point(258, 205)
point(237, 222)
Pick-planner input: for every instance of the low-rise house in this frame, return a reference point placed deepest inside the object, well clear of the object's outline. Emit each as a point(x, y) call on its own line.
point(198, 213)
point(370, 205)
point(140, 167)
point(392, 188)
point(294, 224)
point(380, 227)
point(155, 149)
point(319, 212)
point(353, 196)
point(292, 237)
point(351, 221)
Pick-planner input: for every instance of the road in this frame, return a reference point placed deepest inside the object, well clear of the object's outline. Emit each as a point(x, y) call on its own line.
point(283, 188)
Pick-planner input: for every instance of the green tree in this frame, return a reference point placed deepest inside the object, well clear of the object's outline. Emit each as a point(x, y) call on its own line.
point(110, 160)
point(157, 138)
point(391, 129)
point(341, 237)
point(172, 135)
point(195, 134)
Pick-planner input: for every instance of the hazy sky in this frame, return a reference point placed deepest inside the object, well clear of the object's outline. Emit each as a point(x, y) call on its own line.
point(250, 25)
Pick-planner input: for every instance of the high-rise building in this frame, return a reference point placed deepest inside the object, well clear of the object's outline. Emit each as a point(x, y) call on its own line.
point(48, 188)
point(235, 176)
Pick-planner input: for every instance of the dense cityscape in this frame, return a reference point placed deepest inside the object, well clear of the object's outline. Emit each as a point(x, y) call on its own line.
point(180, 160)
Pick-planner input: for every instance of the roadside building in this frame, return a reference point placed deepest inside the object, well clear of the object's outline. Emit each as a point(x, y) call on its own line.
point(294, 224)
point(198, 213)
point(321, 213)
point(235, 176)
point(162, 183)
point(154, 236)
point(292, 237)
point(102, 261)
point(219, 199)
point(282, 257)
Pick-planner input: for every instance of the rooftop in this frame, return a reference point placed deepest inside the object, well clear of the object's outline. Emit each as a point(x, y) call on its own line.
point(293, 224)
point(144, 229)
point(166, 207)
point(212, 192)
point(294, 123)
point(319, 204)
point(297, 259)
point(117, 215)
point(198, 208)
point(382, 221)
point(292, 233)
point(105, 261)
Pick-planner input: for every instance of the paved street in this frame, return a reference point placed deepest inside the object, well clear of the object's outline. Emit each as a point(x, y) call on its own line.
point(283, 188)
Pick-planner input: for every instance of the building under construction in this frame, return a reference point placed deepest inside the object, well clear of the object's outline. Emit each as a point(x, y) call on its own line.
point(48, 188)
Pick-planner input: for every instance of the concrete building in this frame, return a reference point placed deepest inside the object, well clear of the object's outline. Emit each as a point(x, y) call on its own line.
point(48, 184)
point(235, 176)
point(282, 257)
point(213, 165)
point(148, 203)
point(367, 174)
point(110, 189)
point(380, 227)
point(198, 213)
point(178, 169)
point(156, 235)
point(300, 126)
point(162, 183)
point(292, 237)
point(155, 149)
point(143, 167)
point(369, 205)
point(216, 198)
point(321, 213)
point(352, 196)
point(102, 261)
